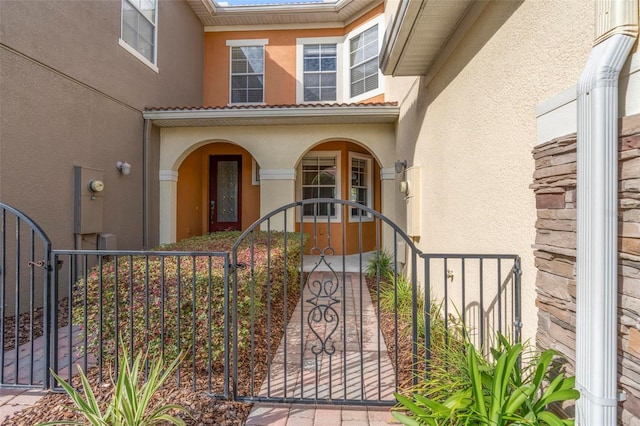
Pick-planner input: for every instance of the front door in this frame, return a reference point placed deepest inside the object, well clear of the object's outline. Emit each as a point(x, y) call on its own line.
point(225, 193)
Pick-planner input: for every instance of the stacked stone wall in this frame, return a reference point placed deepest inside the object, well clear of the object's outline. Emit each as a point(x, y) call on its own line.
point(555, 255)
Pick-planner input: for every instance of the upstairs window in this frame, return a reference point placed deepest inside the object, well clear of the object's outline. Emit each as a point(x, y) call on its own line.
point(247, 74)
point(320, 65)
point(340, 68)
point(364, 61)
point(139, 28)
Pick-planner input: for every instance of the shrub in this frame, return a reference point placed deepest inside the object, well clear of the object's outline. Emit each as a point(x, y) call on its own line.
point(167, 305)
point(494, 393)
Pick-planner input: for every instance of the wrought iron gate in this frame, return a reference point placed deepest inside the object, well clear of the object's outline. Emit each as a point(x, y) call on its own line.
point(347, 319)
point(338, 310)
point(25, 275)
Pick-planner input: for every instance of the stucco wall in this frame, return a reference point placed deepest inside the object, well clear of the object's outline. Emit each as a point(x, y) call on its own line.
point(472, 128)
point(71, 95)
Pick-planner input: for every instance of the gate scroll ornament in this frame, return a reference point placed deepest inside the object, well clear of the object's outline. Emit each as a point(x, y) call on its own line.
point(324, 293)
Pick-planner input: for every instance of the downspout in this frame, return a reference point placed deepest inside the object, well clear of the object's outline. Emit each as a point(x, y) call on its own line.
point(597, 216)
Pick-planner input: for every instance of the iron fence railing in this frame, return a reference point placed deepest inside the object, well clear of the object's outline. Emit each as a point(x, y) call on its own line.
point(343, 310)
point(162, 303)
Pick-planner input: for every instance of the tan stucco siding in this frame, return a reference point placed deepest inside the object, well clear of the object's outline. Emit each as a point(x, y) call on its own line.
point(472, 128)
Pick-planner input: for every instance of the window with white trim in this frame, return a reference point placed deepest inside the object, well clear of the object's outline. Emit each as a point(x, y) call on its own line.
point(340, 69)
point(360, 185)
point(139, 27)
point(247, 74)
point(320, 178)
point(363, 60)
point(320, 65)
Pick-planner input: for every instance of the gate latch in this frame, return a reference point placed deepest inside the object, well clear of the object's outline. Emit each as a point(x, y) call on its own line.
point(39, 263)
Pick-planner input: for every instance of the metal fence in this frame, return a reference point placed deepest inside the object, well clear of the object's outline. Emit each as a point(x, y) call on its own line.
point(340, 311)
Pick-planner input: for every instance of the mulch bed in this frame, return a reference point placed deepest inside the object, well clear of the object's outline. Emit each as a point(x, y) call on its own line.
point(202, 408)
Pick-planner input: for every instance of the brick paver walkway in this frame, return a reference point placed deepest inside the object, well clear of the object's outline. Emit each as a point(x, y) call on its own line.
point(359, 368)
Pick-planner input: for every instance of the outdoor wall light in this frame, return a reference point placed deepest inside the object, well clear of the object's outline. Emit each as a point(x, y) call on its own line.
point(124, 167)
point(401, 165)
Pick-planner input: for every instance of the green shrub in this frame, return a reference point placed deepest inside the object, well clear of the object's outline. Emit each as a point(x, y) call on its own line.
point(494, 393)
point(132, 402)
point(179, 309)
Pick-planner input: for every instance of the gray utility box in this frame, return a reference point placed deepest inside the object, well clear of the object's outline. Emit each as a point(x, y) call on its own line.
point(88, 200)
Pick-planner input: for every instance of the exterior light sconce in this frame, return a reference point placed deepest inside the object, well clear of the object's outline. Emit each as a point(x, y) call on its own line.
point(123, 167)
point(400, 166)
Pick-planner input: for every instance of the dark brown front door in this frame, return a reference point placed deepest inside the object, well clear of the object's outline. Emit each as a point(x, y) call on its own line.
point(225, 193)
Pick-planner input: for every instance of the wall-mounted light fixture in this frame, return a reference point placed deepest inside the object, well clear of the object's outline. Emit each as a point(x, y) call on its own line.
point(401, 165)
point(124, 167)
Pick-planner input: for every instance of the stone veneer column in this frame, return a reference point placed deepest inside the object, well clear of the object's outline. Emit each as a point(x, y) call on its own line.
point(555, 256)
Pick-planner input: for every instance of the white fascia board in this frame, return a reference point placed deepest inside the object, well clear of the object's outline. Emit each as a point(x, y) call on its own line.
point(272, 27)
point(380, 111)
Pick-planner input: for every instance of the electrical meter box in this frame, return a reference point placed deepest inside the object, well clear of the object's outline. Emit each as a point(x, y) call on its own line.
point(88, 200)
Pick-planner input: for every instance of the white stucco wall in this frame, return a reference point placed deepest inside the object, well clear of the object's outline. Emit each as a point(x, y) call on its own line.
point(472, 128)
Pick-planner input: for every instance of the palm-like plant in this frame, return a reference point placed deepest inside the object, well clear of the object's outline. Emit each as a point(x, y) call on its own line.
point(496, 393)
point(131, 403)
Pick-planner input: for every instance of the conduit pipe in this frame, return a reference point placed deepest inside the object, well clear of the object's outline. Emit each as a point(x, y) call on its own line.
point(597, 216)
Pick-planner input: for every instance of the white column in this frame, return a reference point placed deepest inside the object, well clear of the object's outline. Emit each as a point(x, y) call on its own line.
point(277, 189)
point(168, 206)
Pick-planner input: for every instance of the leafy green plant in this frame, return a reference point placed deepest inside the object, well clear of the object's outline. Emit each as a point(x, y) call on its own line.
point(131, 403)
point(382, 264)
point(497, 393)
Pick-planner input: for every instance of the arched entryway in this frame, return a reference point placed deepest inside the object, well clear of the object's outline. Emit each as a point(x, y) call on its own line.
point(218, 190)
point(343, 170)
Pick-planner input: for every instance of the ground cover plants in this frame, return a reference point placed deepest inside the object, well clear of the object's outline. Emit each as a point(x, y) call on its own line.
point(166, 305)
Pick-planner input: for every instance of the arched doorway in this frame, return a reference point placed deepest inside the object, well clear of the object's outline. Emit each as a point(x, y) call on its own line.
point(218, 190)
point(343, 170)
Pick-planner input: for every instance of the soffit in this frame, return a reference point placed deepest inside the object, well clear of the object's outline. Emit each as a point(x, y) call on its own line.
point(262, 115)
point(343, 11)
point(419, 31)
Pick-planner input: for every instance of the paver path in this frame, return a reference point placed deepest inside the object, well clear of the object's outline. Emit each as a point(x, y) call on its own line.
point(359, 368)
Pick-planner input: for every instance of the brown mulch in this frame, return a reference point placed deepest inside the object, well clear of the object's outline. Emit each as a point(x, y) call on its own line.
point(389, 331)
point(202, 408)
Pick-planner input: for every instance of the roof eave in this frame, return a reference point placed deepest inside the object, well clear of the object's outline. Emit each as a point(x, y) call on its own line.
point(418, 20)
point(269, 116)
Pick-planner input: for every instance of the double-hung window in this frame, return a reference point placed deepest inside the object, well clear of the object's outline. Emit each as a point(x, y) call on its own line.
point(342, 68)
point(247, 71)
point(364, 61)
point(361, 184)
point(139, 28)
point(320, 179)
point(320, 65)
